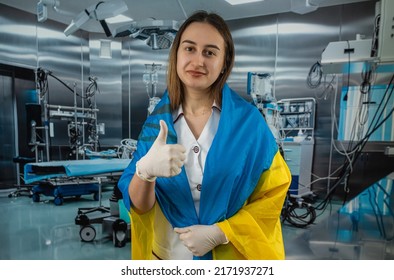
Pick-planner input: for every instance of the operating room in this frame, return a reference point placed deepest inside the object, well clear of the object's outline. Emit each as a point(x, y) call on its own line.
point(76, 87)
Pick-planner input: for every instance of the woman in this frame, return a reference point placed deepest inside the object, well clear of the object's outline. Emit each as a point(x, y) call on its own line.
point(207, 180)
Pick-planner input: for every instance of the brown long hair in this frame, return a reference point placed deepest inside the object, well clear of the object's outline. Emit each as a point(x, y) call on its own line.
point(174, 84)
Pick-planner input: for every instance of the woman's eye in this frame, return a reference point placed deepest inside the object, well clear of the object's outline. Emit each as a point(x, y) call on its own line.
point(209, 53)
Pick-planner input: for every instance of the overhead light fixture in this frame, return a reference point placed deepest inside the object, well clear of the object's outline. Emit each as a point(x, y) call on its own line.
point(239, 2)
point(158, 34)
point(100, 12)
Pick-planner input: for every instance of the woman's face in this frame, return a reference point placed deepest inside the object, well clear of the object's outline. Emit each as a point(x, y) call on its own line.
point(200, 56)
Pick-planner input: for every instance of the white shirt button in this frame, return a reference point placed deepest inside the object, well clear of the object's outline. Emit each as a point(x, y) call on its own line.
point(196, 149)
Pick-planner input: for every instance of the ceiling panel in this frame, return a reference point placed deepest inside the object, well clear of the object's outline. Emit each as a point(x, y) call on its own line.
point(167, 9)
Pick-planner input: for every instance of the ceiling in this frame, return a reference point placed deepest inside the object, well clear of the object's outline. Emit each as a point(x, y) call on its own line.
point(169, 9)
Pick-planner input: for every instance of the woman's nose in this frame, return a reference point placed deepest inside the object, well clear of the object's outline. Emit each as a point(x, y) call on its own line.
point(198, 59)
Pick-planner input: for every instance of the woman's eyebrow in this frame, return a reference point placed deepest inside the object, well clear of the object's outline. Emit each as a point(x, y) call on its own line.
point(207, 46)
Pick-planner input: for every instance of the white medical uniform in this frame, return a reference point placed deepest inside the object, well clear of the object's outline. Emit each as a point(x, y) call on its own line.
point(166, 244)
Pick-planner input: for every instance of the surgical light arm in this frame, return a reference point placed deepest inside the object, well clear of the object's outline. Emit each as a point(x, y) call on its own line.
point(76, 23)
point(99, 12)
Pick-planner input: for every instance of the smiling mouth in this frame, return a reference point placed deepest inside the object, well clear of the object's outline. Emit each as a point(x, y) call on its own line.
point(196, 73)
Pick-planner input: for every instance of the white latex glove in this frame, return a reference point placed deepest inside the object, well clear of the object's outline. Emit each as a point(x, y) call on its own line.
point(162, 160)
point(201, 239)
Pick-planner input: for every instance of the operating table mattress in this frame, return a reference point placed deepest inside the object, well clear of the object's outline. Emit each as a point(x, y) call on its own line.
point(34, 172)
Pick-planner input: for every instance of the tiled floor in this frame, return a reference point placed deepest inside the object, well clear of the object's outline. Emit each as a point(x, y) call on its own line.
point(41, 230)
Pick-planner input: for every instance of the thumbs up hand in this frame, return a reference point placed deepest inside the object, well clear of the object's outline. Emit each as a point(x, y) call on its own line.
point(162, 160)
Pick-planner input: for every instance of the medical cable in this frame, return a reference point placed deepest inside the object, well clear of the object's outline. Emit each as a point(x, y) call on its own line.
point(357, 150)
point(315, 75)
point(298, 213)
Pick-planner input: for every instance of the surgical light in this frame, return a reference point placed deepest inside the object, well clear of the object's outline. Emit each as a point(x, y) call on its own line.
point(158, 34)
point(163, 41)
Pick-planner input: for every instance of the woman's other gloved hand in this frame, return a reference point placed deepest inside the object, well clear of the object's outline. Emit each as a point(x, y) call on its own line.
point(200, 239)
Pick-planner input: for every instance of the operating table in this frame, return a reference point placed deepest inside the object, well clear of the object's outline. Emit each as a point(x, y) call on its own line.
point(72, 177)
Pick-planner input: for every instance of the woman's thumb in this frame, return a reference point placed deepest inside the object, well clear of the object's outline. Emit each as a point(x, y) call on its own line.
point(181, 230)
point(162, 137)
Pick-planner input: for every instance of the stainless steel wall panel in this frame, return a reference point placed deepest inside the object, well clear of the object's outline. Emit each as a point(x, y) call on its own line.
point(135, 55)
point(301, 41)
point(15, 85)
point(255, 48)
point(109, 98)
point(66, 57)
point(7, 139)
point(18, 37)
